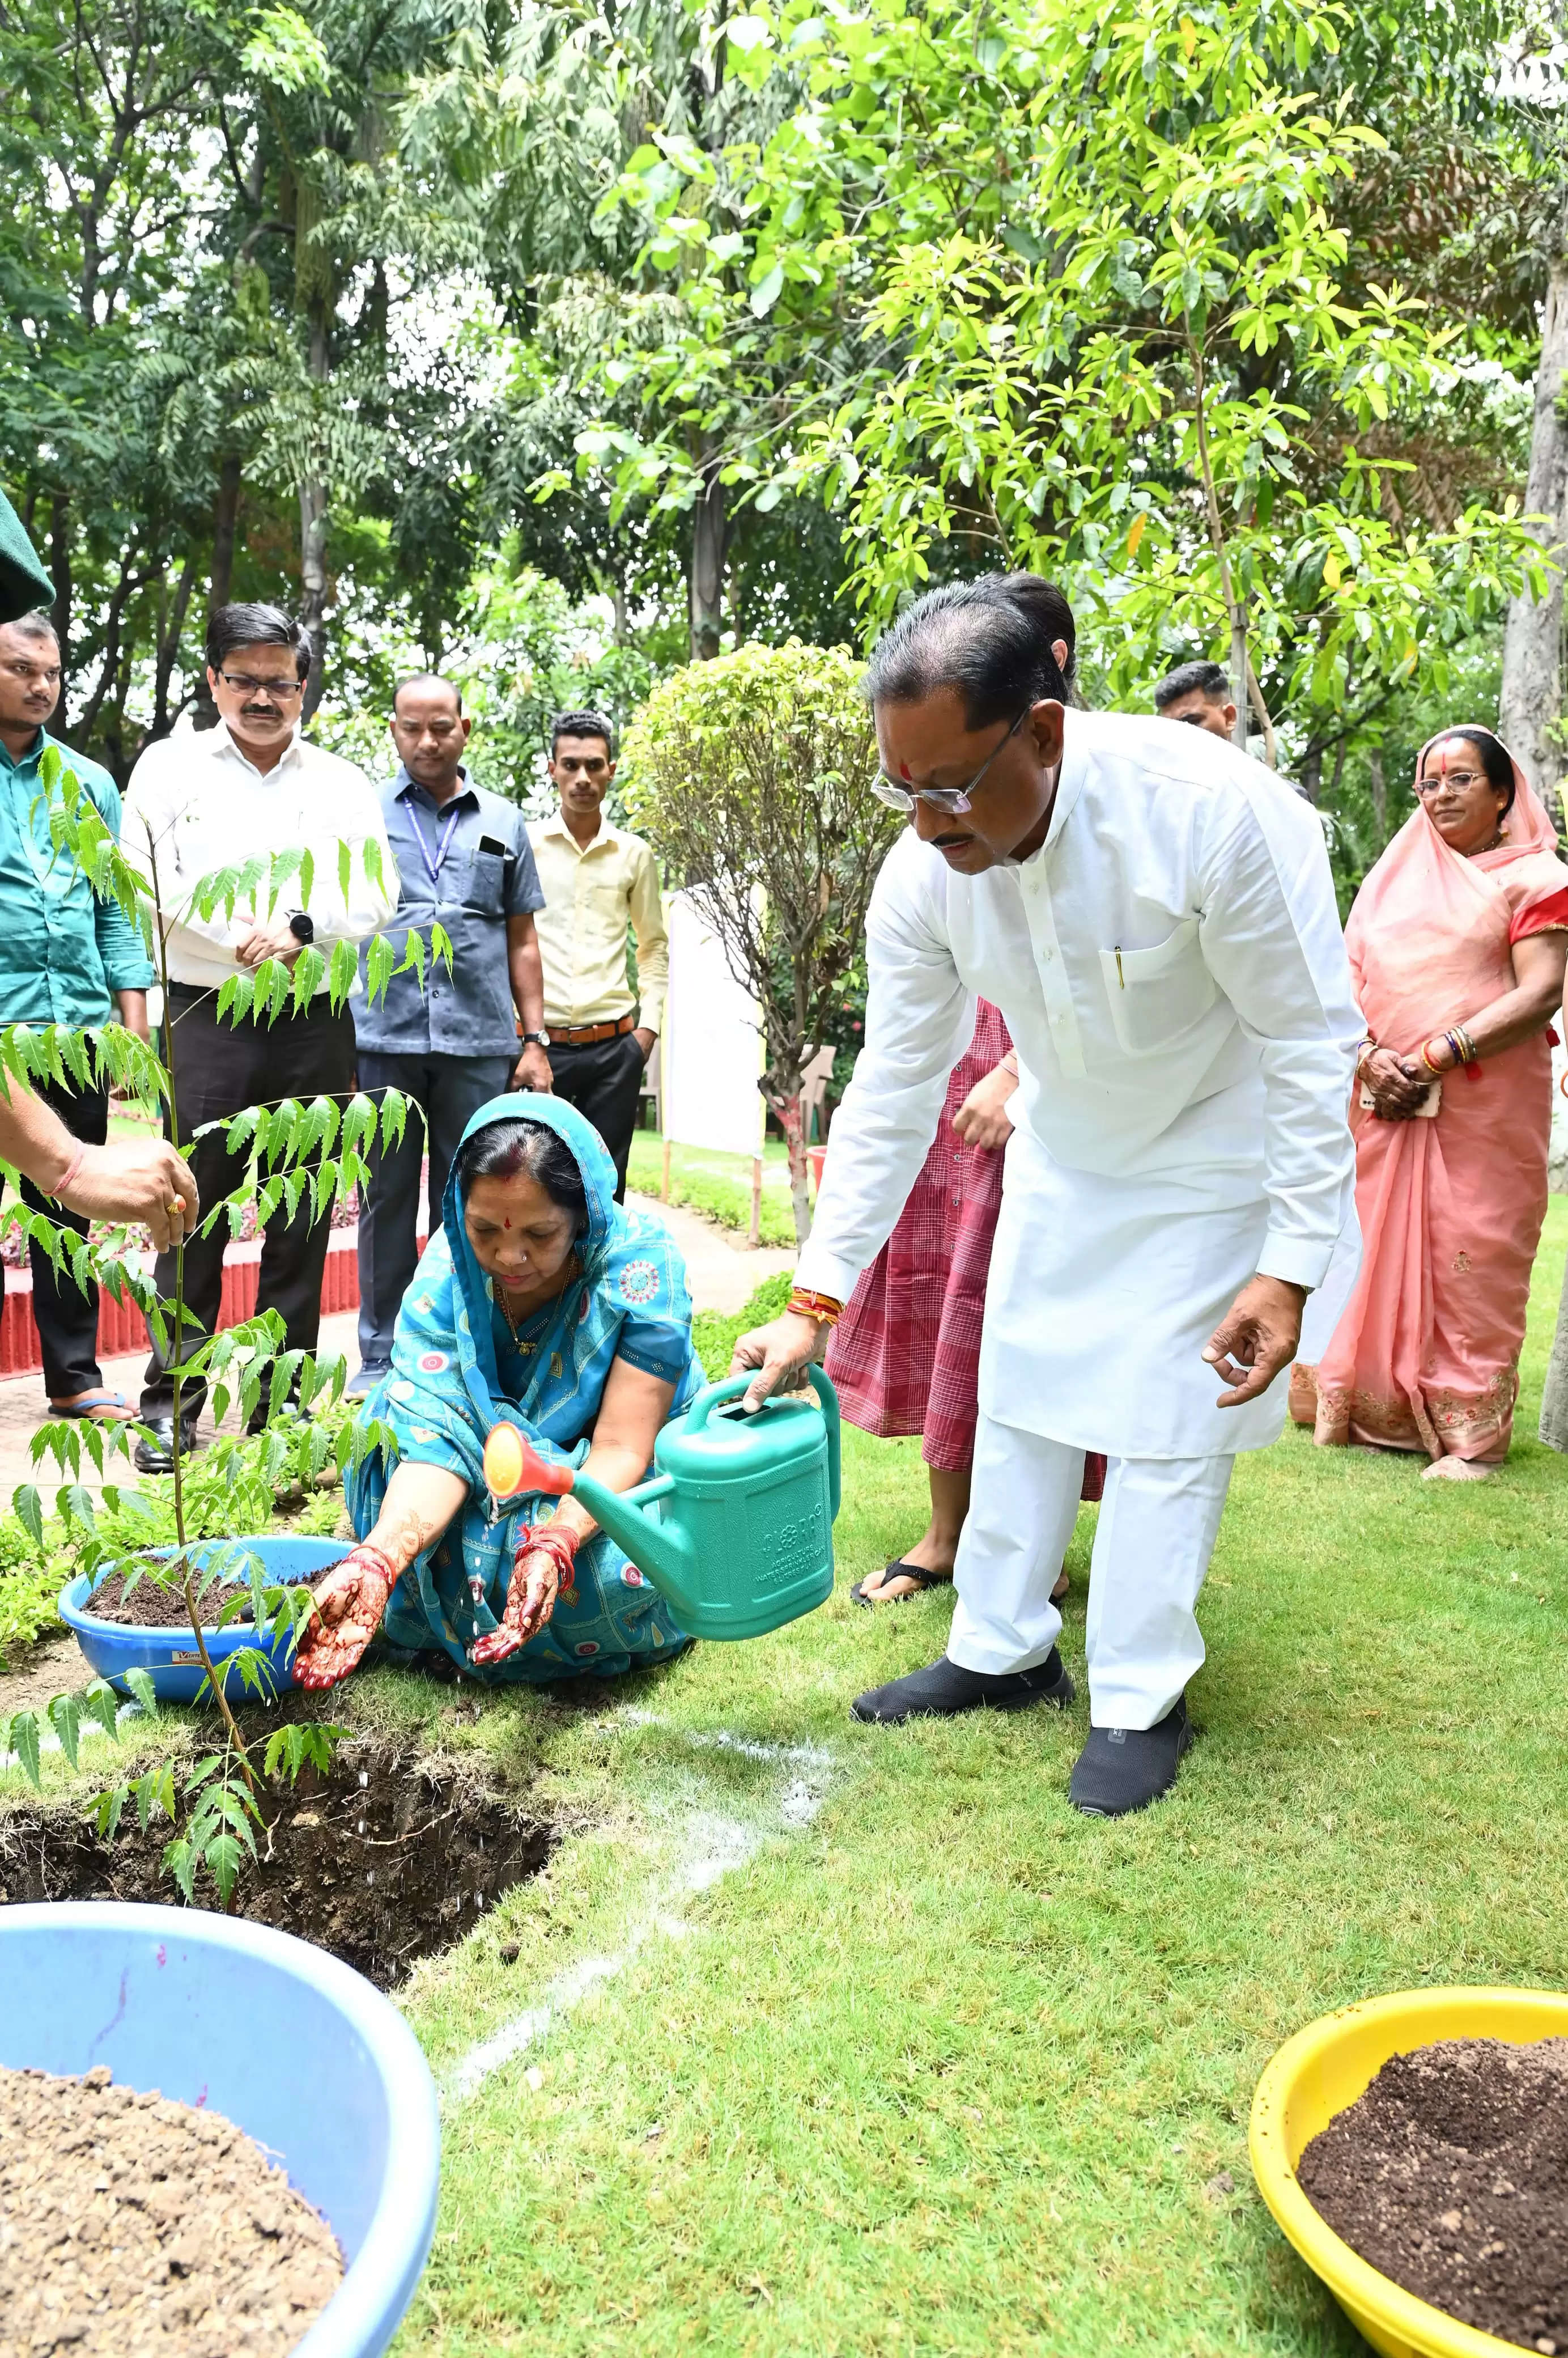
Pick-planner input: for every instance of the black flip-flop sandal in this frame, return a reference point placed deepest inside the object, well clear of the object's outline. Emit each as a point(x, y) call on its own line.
point(899, 1569)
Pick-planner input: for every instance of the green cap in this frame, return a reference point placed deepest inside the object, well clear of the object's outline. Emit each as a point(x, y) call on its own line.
point(24, 584)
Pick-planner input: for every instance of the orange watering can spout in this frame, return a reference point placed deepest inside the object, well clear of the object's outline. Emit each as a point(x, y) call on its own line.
point(514, 1467)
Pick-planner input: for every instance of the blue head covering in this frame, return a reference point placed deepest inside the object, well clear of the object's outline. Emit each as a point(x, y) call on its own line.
point(455, 1368)
point(456, 1371)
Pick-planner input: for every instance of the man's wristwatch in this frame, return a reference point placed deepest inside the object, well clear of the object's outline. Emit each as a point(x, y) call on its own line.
point(301, 926)
point(534, 1039)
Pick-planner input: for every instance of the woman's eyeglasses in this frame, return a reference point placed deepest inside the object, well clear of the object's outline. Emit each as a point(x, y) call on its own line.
point(949, 800)
point(1460, 780)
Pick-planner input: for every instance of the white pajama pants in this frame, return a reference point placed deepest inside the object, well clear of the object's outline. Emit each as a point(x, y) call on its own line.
point(1157, 1526)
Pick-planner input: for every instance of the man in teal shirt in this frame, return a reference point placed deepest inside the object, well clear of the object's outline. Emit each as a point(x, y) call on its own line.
point(66, 956)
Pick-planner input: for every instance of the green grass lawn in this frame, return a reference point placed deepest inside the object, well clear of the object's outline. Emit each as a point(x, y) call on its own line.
point(719, 1184)
point(937, 2066)
point(816, 2038)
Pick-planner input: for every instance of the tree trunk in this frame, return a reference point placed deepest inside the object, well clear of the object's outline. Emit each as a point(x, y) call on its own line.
point(60, 570)
point(171, 631)
point(1379, 793)
point(225, 516)
point(788, 1112)
point(313, 535)
point(1531, 701)
point(707, 540)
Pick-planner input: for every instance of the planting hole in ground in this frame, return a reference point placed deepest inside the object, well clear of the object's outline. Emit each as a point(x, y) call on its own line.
point(1449, 2174)
point(386, 1860)
point(134, 2223)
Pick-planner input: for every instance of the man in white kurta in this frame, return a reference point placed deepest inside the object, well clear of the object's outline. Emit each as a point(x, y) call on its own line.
point(1165, 947)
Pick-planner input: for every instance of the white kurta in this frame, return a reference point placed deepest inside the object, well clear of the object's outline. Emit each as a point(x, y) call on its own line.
point(1172, 968)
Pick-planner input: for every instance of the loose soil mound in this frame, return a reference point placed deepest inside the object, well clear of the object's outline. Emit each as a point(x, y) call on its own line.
point(1449, 2174)
point(387, 1861)
point(134, 2224)
point(151, 1606)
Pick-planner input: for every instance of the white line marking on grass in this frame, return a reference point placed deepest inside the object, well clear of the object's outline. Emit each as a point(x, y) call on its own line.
point(712, 1845)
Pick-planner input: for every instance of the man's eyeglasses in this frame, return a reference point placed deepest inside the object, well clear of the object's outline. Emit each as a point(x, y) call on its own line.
point(243, 684)
point(949, 800)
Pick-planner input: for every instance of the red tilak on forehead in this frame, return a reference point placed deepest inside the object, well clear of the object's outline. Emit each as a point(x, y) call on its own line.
point(506, 1224)
point(904, 772)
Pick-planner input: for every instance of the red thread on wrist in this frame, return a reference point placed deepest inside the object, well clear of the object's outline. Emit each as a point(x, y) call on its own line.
point(67, 1175)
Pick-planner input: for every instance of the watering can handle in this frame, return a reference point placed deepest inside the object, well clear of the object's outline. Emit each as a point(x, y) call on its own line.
point(713, 1395)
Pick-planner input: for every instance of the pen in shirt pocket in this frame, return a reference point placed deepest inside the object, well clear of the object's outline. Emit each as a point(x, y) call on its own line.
point(1120, 978)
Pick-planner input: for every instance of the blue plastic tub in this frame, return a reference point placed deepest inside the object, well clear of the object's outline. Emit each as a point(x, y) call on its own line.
point(170, 1654)
point(276, 2035)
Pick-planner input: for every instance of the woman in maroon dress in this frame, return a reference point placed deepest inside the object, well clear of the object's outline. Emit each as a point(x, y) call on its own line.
point(905, 1354)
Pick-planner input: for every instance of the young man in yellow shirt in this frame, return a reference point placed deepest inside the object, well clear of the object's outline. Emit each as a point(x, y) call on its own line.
point(597, 881)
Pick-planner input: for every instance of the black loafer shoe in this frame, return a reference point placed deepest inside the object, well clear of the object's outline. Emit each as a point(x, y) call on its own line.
point(157, 1457)
point(946, 1688)
point(1124, 1768)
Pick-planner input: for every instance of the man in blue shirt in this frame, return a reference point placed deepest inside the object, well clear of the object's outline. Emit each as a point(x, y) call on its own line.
point(66, 956)
point(464, 860)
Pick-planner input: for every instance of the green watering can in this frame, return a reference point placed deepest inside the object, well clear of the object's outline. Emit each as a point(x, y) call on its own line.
point(735, 1529)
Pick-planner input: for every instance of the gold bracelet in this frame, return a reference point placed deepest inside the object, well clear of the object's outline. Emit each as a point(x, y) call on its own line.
point(1437, 1071)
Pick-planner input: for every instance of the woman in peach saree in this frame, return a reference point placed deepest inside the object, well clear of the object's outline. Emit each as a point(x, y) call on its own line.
point(1457, 944)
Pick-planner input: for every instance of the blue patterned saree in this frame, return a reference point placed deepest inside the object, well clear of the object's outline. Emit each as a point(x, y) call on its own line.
point(456, 1371)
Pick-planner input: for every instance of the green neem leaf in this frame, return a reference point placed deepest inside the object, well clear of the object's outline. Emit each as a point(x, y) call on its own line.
point(340, 973)
point(104, 1811)
point(155, 1791)
point(101, 1703)
point(179, 1860)
point(21, 1737)
point(380, 964)
point(225, 1858)
point(29, 1508)
point(65, 1718)
point(140, 1682)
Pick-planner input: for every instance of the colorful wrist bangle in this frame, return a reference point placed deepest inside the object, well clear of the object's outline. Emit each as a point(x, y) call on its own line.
point(820, 1307)
point(1464, 1047)
point(1436, 1071)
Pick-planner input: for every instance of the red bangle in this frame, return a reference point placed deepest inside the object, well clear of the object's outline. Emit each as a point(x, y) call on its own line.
point(556, 1540)
point(382, 1562)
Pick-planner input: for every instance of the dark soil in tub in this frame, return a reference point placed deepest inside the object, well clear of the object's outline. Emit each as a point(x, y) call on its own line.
point(132, 2223)
point(152, 1606)
point(1449, 2174)
point(388, 1860)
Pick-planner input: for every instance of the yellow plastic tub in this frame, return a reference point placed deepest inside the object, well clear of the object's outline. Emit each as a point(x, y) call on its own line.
point(1321, 2071)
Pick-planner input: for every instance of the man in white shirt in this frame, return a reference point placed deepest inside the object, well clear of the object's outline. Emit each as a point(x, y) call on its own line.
point(1154, 916)
point(251, 787)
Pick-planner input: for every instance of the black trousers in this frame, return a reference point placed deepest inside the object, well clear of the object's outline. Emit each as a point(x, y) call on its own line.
point(603, 1080)
point(67, 1313)
point(218, 1069)
point(452, 1090)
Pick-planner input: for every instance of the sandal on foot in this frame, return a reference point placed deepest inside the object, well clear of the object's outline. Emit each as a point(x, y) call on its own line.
point(898, 1569)
point(88, 1408)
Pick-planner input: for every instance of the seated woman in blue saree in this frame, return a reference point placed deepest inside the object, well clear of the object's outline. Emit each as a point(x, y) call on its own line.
point(543, 1301)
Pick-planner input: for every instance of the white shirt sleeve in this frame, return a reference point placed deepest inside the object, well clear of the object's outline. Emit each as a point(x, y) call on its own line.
point(154, 799)
point(1272, 939)
point(919, 1021)
point(368, 906)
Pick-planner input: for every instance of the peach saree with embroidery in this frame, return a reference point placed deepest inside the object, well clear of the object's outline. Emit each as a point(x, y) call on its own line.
point(1426, 1355)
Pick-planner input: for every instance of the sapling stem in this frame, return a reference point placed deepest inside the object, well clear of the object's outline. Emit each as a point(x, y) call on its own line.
point(176, 1441)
